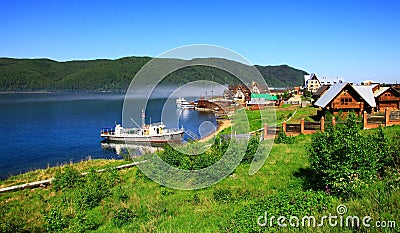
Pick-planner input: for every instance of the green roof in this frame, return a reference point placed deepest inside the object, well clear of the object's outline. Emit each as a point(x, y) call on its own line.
point(265, 96)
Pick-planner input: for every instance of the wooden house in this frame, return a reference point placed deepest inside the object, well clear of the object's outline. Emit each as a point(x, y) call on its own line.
point(346, 97)
point(240, 92)
point(320, 92)
point(387, 97)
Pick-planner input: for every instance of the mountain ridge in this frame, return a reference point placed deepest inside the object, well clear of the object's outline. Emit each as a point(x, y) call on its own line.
point(43, 74)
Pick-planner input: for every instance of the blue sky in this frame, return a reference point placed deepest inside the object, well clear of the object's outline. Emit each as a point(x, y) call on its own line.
point(355, 40)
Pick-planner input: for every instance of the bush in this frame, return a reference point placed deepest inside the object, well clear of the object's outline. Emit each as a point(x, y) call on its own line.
point(92, 191)
point(123, 216)
point(222, 195)
point(345, 160)
point(175, 158)
point(54, 221)
point(121, 194)
point(295, 203)
point(251, 150)
point(83, 223)
point(282, 138)
point(67, 179)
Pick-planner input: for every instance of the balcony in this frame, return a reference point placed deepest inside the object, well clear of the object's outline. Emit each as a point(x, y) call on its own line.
point(337, 105)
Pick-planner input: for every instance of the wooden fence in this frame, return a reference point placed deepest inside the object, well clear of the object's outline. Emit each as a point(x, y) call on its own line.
point(304, 127)
point(370, 121)
point(375, 120)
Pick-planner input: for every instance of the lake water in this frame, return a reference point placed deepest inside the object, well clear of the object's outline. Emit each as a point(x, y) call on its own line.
point(38, 130)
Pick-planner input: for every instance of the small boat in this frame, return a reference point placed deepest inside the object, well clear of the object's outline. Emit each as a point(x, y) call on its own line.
point(153, 133)
point(184, 104)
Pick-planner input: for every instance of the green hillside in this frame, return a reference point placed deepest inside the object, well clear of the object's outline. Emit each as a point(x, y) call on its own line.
point(115, 75)
point(359, 171)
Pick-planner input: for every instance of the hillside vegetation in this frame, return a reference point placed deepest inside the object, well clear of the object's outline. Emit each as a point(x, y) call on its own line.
point(303, 176)
point(115, 75)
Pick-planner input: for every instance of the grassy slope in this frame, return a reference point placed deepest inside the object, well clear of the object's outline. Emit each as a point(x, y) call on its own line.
point(165, 210)
point(177, 209)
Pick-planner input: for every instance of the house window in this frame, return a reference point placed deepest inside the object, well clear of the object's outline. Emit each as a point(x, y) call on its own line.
point(346, 101)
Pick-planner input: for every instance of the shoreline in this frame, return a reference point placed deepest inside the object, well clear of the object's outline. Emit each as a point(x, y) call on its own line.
point(222, 124)
point(25, 92)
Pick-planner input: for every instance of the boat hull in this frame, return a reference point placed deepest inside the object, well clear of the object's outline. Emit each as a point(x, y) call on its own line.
point(175, 137)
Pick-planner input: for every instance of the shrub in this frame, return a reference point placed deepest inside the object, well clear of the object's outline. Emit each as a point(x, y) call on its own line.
point(123, 216)
point(83, 223)
point(121, 194)
point(282, 138)
point(12, 223)
point(175, 158)
point(54, 221)
point(222, 195)
point(92, 191)
point(295, 203)
point(251, 150)
point(345, 160)
point(67, 179)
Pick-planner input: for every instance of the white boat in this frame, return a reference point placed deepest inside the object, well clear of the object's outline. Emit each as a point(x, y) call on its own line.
point(184, 104)
point(153, 133)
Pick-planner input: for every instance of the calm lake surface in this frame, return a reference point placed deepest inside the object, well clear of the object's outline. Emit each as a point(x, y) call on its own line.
point(40, 130)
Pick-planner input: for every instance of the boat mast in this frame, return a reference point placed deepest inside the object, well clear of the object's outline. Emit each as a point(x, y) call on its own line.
point(143, 117)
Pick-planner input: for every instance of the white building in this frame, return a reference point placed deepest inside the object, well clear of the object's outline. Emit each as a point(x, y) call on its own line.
point(312, 83)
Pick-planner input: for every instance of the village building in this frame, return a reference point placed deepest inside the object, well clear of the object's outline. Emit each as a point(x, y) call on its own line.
point(256, 103)
point(297, 91)
point(258, 88)
point(268, 98)
point(344, 97)
point(240, 92)
point(320, 92)
point(330, 81)
point(387, 98)
point(279, 90)
point(312, 83)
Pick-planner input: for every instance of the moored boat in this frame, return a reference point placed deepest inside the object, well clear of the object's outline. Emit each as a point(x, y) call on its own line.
point(152, 133)
point(184, 104)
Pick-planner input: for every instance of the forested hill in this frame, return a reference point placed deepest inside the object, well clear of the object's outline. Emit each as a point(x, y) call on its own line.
point(115, 75)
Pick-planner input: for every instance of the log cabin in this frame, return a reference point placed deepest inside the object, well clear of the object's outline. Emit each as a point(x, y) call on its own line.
point(387, 97)
point(344, 97)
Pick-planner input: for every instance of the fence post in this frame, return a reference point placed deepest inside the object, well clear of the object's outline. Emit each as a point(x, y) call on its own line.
point(333, 122)
point(302, 126)
point(387, 116)
point(265, 131)
point(284, 126)
point(322, 123)
point(365, 119)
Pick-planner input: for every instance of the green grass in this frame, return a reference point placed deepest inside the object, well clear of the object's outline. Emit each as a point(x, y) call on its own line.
point(160, 209)
point(43, 174)
point(256, 118)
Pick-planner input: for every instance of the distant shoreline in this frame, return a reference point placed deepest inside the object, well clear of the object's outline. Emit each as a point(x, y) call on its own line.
point(25, 92)
point(60, 91)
